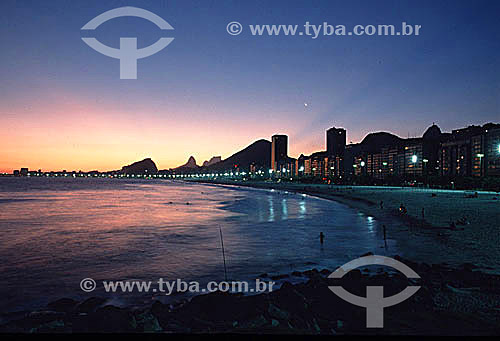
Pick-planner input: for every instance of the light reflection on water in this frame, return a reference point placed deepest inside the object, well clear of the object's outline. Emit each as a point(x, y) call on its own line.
point(55, 232)
point(271, 208)
point(302, 209)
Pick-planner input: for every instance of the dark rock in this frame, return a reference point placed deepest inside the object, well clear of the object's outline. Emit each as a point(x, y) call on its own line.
point(90, 305)
point(159, 309)
point(325, 272)
point(288, 299)
point(162, 313)
point(277, 313)
point(354, 274)
point(297, 273)
point(311, 273)
point(63, 305)
point(255, 323)
point(41, 317)
point(80, 323)
point(468, 267)
point(367, 254)
point(218, 307)
point(424, 267)
point(278, 277)
point(147, 322)
point(56, 326)
point(110, 319)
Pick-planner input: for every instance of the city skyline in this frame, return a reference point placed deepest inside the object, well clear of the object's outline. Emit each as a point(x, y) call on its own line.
point(64, 107)
point(334, 146)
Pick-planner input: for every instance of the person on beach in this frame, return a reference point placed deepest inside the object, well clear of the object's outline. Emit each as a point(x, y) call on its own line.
point(423, 213)
point(385, 236)
point(402, 209)
point(381, 205)
point(321, 237)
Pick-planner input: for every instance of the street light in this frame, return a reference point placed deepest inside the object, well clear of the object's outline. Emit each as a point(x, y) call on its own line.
point(480, 156)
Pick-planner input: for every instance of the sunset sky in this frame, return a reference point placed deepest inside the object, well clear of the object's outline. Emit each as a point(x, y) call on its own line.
point(63, 106)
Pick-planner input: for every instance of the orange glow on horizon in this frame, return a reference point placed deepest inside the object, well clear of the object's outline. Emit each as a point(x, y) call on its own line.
point(63, 133)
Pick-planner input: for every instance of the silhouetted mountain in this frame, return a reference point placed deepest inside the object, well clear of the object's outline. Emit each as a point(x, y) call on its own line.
point(146, 166)
point(212, 161)
point(258, 153)
point(190, 165)
point(432, 133)
point(375, 141)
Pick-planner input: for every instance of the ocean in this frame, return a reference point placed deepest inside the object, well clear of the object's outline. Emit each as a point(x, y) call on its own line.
point(54, 232)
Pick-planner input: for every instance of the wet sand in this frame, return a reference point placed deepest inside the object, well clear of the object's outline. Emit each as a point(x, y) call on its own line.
point(429, 238)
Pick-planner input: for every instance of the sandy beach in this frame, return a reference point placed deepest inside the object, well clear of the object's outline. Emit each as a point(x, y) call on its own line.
point(428, 238)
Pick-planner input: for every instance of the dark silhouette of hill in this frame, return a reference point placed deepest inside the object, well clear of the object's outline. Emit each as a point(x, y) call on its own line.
point(258, 153)
point(189, 166)
point(212, 161)
point(375, 141)
point(146, 166)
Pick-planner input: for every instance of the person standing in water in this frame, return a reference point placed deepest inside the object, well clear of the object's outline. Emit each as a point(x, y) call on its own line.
point(385, 236)
point(321, 237)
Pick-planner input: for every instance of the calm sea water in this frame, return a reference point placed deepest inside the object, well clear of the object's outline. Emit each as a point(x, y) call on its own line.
point(55, 232)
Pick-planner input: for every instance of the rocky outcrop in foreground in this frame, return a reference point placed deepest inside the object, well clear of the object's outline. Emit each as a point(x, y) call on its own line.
point(450, 302)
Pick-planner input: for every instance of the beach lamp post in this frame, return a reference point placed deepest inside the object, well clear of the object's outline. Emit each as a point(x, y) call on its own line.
point(425, 165)
point(362, 164)
point(414, 160)
point(480, 156)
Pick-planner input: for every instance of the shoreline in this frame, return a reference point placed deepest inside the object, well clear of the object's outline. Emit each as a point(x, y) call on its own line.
point(365, 206)
point(409, 230)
